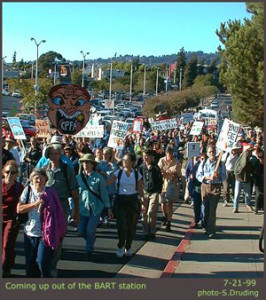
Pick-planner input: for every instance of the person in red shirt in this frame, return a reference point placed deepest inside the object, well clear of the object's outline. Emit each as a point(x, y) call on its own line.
point(11, 191)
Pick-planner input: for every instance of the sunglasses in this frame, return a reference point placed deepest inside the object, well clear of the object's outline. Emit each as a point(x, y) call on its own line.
point(10, 172)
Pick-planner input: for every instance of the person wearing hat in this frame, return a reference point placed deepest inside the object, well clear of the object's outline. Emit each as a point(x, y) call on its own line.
point(6, 154)
point(55, 140)
point(11, 146)
point(230, 158)
point(243, 170)
point(63, 179)
point(93, 197)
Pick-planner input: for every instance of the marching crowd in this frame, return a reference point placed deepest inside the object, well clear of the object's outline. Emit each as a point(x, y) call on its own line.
point(63, 179)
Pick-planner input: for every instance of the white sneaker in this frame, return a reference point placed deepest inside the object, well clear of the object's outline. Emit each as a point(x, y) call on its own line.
point(120, 252)
point(128, 252)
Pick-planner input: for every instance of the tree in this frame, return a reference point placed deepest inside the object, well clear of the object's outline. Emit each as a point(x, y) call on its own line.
point(181, 64)
point(46, 62)
point(76, 77)
point(243, 64)
point(191, 72)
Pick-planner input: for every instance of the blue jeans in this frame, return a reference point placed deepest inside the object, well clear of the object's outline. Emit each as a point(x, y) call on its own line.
point(246, 187)
point(38, 257)
point(87, 229)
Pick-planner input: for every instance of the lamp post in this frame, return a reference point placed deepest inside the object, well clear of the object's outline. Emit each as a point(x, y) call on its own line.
point(180, 80)
point(131, 75)
point(157, 77)
point(110, 88)
point(36, 87)
point(83, 66)
point(3, 59)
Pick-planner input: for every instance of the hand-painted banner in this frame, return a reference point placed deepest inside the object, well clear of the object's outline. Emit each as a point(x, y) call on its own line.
point(193, 149)
point(196, 128)
point(42, 128)
point(118, 134)
point(164, 124)
point(228, 135)
point(16, 128)
point(91, 131)
point(69, 108)
point(137, 125)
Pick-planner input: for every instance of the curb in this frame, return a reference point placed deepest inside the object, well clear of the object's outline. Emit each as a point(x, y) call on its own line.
point(172, 265)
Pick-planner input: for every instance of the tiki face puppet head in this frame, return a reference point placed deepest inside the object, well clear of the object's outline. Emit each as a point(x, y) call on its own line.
point(69, 108)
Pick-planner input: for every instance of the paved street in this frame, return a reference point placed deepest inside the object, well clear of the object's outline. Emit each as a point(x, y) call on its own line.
point(183, 253)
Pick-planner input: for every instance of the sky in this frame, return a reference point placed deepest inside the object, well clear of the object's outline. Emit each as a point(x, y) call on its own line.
point(103, 29)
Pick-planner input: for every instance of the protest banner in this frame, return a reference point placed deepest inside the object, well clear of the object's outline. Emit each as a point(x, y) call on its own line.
point(196, 128)
point(118, 134)
point(193, 149)
point(164, 124)
point(137, 125)
point(228, 135)
point(42, 128)
point(91, 131)
point(16, 128)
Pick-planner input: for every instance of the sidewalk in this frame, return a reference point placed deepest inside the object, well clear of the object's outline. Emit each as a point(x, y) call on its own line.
point(188, 253)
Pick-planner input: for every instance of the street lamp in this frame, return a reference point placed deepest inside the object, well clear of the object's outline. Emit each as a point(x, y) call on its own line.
point(36, 87)
point(180, 80)
point(157, 77)
point(131, 75)
point(83, 67)
point(3, 59)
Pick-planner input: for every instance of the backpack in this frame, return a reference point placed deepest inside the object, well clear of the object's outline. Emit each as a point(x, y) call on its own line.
point(23, 218)
point(64, 167)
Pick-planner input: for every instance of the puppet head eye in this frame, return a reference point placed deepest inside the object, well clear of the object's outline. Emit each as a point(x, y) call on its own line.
point(80, 102)
point(57, 101)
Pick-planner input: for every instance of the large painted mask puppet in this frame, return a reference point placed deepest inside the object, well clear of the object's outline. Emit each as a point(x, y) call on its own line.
point(69, 108)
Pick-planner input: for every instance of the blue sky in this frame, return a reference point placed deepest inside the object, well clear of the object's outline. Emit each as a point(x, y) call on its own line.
point(106, 28)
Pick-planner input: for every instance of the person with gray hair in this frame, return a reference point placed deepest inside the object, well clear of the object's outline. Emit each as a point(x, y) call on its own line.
point(211, 178)
point(45, 227)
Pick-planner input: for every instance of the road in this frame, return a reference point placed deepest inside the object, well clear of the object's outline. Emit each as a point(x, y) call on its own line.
point(73, 264)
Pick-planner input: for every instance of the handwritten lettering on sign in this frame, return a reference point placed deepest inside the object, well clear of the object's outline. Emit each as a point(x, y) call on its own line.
point(42, 128)
point(164, 124)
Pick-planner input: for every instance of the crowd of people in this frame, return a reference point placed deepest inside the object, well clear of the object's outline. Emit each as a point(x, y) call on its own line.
point(63, 179)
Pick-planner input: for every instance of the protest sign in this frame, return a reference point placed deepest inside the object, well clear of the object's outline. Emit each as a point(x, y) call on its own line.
point(109, 103)
point(118, 134)
point(16, 128)
point(42, 128)
point(164, 124)
point(193, 149)
point(137, 125)
point(91, 131)
point(69, 108)
point(196, 128)
point(228, 135)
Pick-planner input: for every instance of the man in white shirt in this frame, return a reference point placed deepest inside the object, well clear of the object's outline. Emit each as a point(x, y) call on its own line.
point(230, 158)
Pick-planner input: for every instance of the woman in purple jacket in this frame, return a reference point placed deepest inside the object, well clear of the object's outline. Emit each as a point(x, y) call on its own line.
point(45, 227)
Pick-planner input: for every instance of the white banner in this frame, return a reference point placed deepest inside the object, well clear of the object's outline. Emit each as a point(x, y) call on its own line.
point(118, 134)
point(137, 125)
point(228, 135)
point(193, 149)
point(16, 128)
point(164, 124)
point(91, 131)
point(196, 128)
